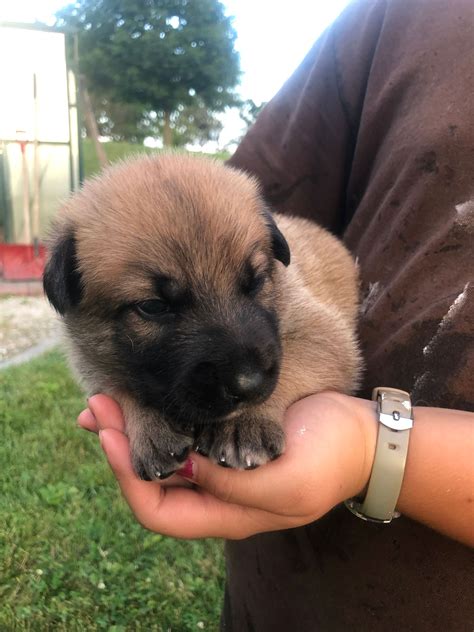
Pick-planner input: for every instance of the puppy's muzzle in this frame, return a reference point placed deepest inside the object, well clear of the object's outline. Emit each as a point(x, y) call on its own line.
point(243, 385)
point(223, 384)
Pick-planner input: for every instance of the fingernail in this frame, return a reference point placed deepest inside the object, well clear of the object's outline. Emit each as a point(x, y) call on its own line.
point(88, 416)
point(90, 400)
point(187, 471)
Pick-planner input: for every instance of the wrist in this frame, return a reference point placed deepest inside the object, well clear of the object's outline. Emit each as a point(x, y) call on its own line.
point(366, 418)
point(363, 419)
point(357, 427)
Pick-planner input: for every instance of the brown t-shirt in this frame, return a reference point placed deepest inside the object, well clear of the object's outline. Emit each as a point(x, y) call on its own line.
point(373, 137)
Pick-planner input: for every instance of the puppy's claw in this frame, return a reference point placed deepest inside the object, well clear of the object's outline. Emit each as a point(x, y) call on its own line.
point(249, 464)
point(150, 463)
point(223, 461)
point(259, 440)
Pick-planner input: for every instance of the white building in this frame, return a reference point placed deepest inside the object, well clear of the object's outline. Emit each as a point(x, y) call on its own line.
point(39, 135)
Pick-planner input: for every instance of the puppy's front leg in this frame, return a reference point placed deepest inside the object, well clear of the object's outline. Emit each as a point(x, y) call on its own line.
point(243, 442)
point(157, 450)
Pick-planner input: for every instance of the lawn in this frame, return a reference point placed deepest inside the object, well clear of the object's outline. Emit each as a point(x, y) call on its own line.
point(118, 150)
point(72, 558)
point(114, 151)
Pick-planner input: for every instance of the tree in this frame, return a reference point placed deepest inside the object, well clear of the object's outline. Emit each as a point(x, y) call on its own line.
point(249, 111)
point(189, 124)
point(157, 55)
point(195, 123)
point(122, 121)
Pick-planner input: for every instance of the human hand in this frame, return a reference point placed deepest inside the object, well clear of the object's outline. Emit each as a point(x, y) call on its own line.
point(330, 445)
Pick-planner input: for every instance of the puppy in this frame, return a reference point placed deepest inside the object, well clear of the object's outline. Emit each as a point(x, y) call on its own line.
point(179, 300)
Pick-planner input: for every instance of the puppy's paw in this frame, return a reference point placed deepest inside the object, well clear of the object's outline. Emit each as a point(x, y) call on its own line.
point(157, 455)
point(243, 443)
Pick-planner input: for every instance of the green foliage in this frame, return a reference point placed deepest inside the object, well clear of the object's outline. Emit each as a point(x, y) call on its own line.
point(159, 55)
point(194, 124)
point(190, 123)
point(114, 151)
point(119, 151)
point(249, 111)
point(72, 558)
point(122, 121)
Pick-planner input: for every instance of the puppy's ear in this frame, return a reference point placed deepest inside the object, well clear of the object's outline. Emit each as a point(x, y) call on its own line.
point(280, 247)
point(61, 279)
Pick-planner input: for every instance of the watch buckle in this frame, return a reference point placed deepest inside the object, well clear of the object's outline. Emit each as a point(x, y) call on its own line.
point(393, 408)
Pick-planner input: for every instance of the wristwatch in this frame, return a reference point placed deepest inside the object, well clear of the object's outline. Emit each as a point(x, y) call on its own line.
point(394, 413)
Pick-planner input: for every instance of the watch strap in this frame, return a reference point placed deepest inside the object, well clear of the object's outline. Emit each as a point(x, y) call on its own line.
point(395, 421)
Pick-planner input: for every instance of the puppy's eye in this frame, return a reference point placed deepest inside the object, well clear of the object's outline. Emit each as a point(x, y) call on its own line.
point(252, 283)
point(152, 309)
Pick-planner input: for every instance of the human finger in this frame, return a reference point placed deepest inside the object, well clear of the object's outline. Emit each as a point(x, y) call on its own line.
point(305, 480)
point(177, 511)
point(106, 412)
point(87, 421)
point(268, 488)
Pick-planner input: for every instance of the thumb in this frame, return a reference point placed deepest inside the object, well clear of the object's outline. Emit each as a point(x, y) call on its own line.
point(250, 488)
point(116, 446)
point(140, 495)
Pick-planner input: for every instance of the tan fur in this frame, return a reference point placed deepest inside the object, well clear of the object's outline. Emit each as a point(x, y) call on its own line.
point(319, 312)
point(122, 207)
point(197, 221)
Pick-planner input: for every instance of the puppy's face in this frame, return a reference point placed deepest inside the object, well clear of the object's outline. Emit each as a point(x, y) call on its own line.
point(164, 270)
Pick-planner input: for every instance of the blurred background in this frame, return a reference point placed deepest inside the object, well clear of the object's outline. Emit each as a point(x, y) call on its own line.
point(86, 83)
point(82, 85)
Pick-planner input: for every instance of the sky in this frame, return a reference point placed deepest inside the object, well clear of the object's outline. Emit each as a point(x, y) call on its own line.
point(271, 41)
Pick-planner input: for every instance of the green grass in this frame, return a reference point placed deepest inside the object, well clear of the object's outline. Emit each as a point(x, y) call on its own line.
point(114, 151)
point(117, 150)
point(72, 558)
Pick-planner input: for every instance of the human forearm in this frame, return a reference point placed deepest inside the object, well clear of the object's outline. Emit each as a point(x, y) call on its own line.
point(438, 484)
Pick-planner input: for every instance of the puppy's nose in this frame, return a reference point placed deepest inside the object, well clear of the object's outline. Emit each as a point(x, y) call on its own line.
point(228, 383)
point(246, 384)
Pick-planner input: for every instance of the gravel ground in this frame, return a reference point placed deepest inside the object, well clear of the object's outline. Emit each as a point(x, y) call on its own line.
point(24, 323)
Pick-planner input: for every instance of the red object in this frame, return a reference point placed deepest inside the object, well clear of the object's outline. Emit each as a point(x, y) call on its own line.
point(187, 471)
point(18, 262)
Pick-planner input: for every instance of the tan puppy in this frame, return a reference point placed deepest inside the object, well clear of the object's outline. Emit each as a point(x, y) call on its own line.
point(179, 300)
